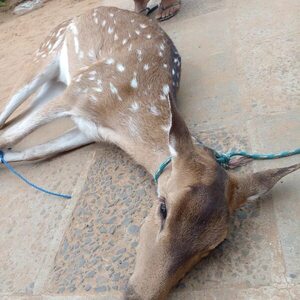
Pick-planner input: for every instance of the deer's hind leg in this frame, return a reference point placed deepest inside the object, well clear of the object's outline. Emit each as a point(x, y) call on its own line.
point(70, 140)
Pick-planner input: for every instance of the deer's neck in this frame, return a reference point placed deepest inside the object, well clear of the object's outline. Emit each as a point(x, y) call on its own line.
point(151, 157)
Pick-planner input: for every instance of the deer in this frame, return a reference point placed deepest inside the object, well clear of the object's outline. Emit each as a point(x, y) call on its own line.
point(116, 74)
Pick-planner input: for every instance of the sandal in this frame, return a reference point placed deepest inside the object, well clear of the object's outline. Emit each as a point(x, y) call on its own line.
point(162, 8)
point(148, 10)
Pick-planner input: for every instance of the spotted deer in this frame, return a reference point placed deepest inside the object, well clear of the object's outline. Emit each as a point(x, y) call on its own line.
point(115, 74)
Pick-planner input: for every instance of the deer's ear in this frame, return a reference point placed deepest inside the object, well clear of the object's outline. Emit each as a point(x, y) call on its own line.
point(253, 186)
point(180, 141)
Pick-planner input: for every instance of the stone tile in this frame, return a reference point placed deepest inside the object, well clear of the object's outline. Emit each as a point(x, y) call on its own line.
point(270, 71)
point(281, 132)
point(98, 251)
point(13, 297)
point(213, 34)
point(255, 21)
point(32, 222)
point(222, 139)
point(295, 292)
point(110, 296)
point(263, 293)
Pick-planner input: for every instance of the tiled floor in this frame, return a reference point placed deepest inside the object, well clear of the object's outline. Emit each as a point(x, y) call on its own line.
point(239, 89)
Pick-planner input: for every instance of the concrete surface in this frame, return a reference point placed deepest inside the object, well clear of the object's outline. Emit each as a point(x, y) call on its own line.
point(239, 89)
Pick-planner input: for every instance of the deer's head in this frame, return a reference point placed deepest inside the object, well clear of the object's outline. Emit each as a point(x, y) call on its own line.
point(190, 218)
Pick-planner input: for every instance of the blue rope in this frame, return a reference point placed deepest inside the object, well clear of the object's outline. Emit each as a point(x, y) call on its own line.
point(224, 158)
point(11, 169)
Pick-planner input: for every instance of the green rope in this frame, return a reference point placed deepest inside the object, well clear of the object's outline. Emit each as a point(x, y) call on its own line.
point(161, 168)
point(224, 158)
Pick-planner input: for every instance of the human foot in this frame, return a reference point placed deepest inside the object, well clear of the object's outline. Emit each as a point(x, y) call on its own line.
point(140, 6)
point(168, 9)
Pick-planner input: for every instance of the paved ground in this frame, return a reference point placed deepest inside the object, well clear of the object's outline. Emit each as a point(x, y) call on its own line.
point(240, 89)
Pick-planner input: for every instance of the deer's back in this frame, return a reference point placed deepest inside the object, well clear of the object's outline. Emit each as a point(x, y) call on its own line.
point(123, 71)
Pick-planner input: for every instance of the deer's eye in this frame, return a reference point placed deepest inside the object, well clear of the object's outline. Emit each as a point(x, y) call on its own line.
point(163, 210)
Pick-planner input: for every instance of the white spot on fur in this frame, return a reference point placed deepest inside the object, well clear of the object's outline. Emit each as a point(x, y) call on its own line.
point(139, 54)
point(148, 36)
point(162, 47)
point(110, 30)
point(146, 67)
point(137, 32)
point(92, 75)
point(143, 26)
point(96, 20)
point(162, 97)
point(120, 68)
point(132, 20)
point(173, 72)
point(78, 78)
point(154, 110)
point(103, 23)
point(160, 54)
point(94, 98)
point(98, 89)
point(92, 54)
point(110, 61)
point(134, 83)
point(124, 41)
point(130, 47)
point(165, 66)
point(113, 89)
point(116, 37)
point(134, 107)
point(166, 89)
point(111, 14)
point(73, 28)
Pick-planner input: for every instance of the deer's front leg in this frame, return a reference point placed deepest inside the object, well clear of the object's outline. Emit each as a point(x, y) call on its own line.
point(68, 141)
